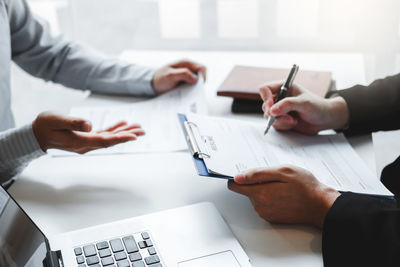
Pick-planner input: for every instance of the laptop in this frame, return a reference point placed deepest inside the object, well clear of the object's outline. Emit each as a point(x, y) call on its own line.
point(191, 236)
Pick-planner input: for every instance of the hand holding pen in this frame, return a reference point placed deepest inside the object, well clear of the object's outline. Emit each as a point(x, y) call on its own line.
point(302, 111)
point(282, 93)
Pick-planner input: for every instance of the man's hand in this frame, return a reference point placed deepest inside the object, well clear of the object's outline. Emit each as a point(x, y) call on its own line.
point(76, 135)
point(170, 76)
point(303, 111)
point(286, 194)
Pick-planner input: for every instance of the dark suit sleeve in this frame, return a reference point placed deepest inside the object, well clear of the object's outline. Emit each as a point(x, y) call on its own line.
point(360, 230)
point(374, 107)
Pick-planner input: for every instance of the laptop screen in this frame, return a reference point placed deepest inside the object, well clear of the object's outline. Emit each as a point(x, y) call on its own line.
point(21, 241)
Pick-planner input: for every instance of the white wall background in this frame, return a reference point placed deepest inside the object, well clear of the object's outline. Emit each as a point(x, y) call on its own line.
point(371, 27)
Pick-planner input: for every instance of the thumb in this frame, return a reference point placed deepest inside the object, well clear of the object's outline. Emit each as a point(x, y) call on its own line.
point(287, 105)
point(71, 123)
point(258, 176)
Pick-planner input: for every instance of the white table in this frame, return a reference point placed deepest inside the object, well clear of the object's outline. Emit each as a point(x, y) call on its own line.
point(63, 194)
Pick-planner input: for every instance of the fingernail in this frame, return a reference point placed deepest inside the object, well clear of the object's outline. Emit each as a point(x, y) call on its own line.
point(262, 93)
point(128, 137)
point(240, 177)
point(274, 109)
point(86, 126)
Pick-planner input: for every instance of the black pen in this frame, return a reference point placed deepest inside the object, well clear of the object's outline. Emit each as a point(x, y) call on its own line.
point(282, 93)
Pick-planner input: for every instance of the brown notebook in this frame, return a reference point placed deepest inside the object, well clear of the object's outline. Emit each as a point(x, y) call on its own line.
point(244, 82)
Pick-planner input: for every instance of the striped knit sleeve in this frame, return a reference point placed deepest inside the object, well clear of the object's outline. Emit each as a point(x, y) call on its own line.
point(18, 146)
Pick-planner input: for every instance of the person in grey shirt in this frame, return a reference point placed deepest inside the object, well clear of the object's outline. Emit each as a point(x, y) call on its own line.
point(26, 40)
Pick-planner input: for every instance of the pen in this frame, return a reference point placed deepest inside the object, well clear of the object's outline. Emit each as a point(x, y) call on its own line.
point(282, 93)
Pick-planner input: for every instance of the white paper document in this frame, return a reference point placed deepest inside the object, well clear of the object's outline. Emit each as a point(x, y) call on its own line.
point(386, 148)
point(157, 117)
point(237, 146)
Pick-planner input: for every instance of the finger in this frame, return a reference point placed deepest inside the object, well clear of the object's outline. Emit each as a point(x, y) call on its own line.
point(188, 65)
point(58, 122)
point(81, 142)
point(242, 189)
point(192, 66)
point(184, 75)
point(126, 128)
point(137, 131)
point(117, 139)
point(116, 126)
point(266, 107)
point(266, 92)
point(285, 123)
point(272, 87)
point(203, 71)
point(96, 141)
point(258, 176)
point(287, 105)
point(268, 98)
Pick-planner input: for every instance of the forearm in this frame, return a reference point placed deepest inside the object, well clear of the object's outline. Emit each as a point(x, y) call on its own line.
point(84, 68)
point(361, 231)
point(374, 107)
point(18, 147)
point(52, 58)
point(112, 76)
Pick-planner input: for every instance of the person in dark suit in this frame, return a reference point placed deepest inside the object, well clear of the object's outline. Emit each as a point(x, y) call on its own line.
point(357, 230)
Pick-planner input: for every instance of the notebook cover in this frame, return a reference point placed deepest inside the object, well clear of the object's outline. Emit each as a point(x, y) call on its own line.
point(244, 82)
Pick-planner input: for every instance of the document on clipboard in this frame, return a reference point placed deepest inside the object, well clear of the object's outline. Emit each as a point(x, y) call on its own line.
point(223, 148)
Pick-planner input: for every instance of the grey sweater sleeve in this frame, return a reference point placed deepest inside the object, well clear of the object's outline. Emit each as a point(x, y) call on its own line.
point(18, 147)
point(52, 58)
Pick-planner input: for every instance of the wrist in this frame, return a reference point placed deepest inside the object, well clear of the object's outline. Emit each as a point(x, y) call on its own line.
point(324, 200)
point(153, 85)
point(338, 113)
point(38, 136)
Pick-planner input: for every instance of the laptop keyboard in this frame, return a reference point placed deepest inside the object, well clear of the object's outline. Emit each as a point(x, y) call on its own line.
point(130, 251)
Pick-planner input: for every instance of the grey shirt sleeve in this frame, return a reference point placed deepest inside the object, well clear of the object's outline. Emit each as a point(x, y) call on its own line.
point(52, 58)
point(18, 146)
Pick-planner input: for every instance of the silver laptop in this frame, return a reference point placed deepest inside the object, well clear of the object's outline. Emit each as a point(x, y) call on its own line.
point(190, 236)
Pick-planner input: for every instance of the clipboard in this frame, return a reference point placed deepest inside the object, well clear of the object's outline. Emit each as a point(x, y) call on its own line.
point(196, 142)
point(198, 155)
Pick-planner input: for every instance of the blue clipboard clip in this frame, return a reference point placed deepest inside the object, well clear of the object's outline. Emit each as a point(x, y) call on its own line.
point(198, 155)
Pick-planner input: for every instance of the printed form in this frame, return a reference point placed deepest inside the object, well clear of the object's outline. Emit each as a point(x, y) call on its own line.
point(157, 117)
point(238, 146)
